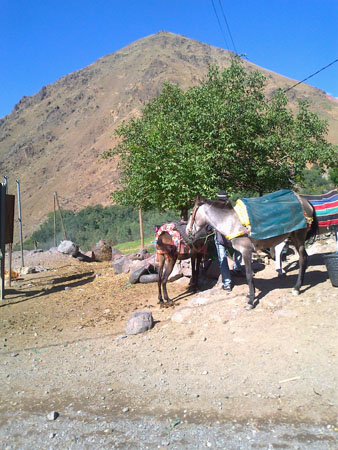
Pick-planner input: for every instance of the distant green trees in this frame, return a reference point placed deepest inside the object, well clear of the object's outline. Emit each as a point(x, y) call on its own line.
point(119, 224)
point(115, 224)
point(315, 183)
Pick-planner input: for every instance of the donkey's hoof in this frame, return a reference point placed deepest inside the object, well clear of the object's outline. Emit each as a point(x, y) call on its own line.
point(249, 306)
point(295, 292)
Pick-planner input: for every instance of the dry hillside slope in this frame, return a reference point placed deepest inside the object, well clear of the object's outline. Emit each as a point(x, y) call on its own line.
point(51, 141)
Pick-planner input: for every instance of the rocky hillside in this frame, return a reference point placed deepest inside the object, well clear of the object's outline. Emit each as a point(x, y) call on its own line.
point(52, 140)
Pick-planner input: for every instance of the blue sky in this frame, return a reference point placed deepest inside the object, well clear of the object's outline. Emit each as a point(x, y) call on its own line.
point(43, 40)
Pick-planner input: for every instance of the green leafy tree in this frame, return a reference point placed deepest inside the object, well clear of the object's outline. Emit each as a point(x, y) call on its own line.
point(334, 176)
point(222, 134)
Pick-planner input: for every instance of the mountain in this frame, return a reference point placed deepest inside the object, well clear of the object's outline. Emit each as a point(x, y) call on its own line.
point(52, 140)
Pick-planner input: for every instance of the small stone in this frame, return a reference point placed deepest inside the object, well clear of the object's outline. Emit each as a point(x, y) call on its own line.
point(205, 372)
point(125, 410)
point(52, 415)
point(121, 336)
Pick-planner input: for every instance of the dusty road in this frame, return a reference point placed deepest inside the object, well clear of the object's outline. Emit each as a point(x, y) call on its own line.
point(221, 377)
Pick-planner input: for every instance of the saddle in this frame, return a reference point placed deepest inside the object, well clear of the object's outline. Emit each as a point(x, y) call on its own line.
point(271, 215)
point(180, 239)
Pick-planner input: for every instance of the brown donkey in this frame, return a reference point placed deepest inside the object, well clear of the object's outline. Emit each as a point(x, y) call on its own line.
point(170, 247)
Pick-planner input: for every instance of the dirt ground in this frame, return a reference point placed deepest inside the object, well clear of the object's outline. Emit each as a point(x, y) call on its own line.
point(63, 343)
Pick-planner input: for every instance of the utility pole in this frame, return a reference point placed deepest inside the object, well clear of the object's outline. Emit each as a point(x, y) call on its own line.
point(20, 221)
point(3, 189)
point(141, 226)
point(54, 219)
point(62, 224)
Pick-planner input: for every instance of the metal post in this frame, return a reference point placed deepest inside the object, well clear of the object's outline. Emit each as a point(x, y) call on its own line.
point(10, 245)
point(10, 251)
point(20, 221)
point(54, 220)
point(2, 237)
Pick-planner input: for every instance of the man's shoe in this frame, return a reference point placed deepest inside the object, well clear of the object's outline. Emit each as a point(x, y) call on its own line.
point(227, 287)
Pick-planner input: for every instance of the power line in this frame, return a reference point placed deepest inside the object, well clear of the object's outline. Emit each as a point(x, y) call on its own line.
point(228, 28)
point(219, 23)
point(310, 76)
point(307, 78)
point(84, 193)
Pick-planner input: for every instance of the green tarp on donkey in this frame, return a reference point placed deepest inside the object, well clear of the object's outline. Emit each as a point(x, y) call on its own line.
point(274, 214)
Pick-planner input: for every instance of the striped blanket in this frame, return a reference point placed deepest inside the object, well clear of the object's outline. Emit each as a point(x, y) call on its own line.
point(326, 207)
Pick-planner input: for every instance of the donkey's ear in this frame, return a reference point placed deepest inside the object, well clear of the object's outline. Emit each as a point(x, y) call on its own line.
point(198, 198)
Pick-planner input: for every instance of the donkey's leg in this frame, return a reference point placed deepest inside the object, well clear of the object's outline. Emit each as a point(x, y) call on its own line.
point(199, 257)
point(161, 259)
point(170, 262)
point(195, 266)
point(192, 282)
point(247, 258)
point(244, 246)
point(298, 240)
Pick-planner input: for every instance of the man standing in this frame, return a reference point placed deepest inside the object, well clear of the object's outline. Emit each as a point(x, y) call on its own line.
point(221, 246)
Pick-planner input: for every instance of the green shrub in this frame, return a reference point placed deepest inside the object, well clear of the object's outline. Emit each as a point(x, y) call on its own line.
point(114, 224)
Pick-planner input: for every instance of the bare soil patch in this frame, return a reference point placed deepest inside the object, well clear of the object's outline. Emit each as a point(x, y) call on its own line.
point(62, 343)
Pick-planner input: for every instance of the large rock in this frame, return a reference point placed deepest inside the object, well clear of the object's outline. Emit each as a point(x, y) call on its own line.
point(149, 278)
point(102, 251)
point(121, 265)
point(68, 248)
point(139, 322)
point(140, 269)
point(116, 254)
